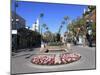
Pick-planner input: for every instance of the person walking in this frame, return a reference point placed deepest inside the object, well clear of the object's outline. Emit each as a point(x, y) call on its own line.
point(84, 40)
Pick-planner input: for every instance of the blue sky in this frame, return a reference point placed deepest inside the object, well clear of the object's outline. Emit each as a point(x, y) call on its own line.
point(53, 13)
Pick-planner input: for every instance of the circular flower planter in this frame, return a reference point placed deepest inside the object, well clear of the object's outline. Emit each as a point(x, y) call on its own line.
point(68, 58)
point(43, 59)
point(55, 59)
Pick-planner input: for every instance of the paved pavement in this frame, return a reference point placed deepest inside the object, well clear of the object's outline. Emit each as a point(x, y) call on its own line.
point(21, 62)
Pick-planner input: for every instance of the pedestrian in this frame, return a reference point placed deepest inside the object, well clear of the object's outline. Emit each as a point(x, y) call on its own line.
point(74, 40)
point(84, 38)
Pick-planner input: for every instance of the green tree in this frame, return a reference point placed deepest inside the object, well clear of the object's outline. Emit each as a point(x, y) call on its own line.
point(94, 30)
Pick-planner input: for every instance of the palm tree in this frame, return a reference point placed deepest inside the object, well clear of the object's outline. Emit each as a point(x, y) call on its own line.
point(44, 25)
point(62, 23)
point(66, 18)
point(58, 34)
point(41, 17)
point(47, 28)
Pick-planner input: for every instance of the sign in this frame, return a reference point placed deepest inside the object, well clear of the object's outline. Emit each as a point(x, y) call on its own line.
point(14, 31)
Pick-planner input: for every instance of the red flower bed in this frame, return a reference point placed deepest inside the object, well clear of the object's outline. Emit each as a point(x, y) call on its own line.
point(68, 58)
point(50, 59)
point(43, 59)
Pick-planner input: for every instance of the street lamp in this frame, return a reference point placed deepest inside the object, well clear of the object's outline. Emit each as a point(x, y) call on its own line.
point(14, 31)
point(89, 31)
point(89, 26)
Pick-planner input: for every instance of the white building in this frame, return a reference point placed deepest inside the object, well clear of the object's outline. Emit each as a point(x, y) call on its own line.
point(35, 26)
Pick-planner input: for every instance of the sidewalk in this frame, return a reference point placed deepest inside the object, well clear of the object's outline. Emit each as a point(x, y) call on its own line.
point(86, 46)
point(24, 52)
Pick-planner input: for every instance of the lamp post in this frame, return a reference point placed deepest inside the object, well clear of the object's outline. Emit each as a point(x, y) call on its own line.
point(89, 28)
point(14, 41)
point(15, 32)
point(89, 31)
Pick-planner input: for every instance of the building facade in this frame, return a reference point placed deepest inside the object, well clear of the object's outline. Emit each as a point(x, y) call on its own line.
point(17, 21)
point(23, 37)
point(91, 15)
